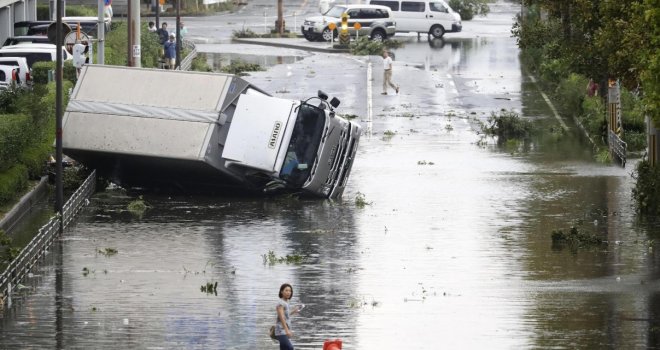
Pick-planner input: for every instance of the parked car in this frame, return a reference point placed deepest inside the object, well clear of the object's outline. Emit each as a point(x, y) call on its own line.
point(21, 64)
point(376, 22)
point(434, 17)
point(35, 39)
point(34, 52)
point(87, 25)
point(8, 76)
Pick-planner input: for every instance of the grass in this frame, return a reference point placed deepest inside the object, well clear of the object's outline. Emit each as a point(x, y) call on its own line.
point(271, 259)
point(575, 238)
point(209, 288)
point(108, 251)
point(360, 200)
point(137, 207)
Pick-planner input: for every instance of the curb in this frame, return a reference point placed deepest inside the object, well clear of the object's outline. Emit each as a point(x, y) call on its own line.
point(289, 46)
point(24, 206)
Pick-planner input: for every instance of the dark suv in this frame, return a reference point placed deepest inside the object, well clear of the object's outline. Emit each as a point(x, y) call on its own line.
point(375, 21)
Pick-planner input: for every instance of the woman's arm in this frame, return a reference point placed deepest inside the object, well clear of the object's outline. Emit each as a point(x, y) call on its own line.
point(280, 315)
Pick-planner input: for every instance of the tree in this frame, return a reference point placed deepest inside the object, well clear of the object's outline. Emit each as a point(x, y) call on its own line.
point(280, 17)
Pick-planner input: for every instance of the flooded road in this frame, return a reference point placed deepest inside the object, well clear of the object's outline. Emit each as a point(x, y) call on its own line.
point(449, 247)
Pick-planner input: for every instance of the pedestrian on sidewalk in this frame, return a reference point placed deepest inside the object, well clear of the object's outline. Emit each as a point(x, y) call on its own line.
point(283, 331)
point(163, 33)
point(170, 51)
point(387, 74)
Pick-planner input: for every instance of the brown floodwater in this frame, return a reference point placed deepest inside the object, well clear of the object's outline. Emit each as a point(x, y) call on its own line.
point(449, 245)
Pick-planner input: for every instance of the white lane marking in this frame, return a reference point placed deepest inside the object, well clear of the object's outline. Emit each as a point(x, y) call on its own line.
point(547, 100)
point(369, 99)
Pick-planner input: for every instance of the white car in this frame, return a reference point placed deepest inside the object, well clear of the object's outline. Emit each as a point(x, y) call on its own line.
point(21, 64)
point(376, 22)
point(9, 76)
point(34, 52)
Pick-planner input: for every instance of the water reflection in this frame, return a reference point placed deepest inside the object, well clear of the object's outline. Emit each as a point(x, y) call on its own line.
point(219, 60)
point(151, 287)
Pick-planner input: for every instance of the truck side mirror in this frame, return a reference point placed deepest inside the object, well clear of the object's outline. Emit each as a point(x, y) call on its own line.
point(334, 102)
point(322, 95)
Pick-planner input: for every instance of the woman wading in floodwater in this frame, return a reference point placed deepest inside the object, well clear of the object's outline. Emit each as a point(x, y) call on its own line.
point(283, 325)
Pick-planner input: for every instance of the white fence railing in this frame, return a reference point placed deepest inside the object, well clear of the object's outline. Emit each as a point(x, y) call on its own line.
point(38, 246)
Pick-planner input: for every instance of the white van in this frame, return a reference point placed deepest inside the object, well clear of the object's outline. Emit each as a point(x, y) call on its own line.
point(434, 17)
point(34, 52)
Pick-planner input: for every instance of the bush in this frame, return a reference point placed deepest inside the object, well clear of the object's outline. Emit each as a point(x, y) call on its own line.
point(593, 116)
point(13, 138)
point(238, 67)
point(43, 11)
point(470, 8)
point(632, 111)
point(12, 181)
point(199, 64)
point(244, 33)
point(571, 92)
point(647, 188)
point(364, 46)
point(40, 71)
point(11, 100)
point(507, 126)
point(117, 41)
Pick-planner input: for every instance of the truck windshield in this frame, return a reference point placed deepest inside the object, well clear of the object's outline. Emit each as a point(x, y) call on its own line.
point(304, 145)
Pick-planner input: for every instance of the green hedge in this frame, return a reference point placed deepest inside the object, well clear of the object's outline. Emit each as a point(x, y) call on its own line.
point(43, 12)
point(12, 181)
point(40, 71)
point(14, 134)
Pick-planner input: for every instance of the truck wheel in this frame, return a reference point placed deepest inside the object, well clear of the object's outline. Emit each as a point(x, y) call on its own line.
point(327, 34)
point(378, 35)
point(437, 31)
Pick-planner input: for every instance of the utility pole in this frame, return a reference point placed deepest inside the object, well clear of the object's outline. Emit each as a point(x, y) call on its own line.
point(134, 54)
point(100, 33)
point(280, 17)
point(178, 34)
point(59, 39)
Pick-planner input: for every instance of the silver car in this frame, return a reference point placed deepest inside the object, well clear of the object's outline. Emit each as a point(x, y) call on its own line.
point(375, 22)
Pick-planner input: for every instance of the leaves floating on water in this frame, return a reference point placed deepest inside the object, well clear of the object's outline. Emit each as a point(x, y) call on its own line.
point(575, 238)
point(210, 288)
point(360, 200)
point(138, 207)
point(271, 259)
point(108, 251)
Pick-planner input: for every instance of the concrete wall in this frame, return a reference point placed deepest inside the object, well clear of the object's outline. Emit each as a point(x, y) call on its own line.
point(12, 11)
point(24, 206)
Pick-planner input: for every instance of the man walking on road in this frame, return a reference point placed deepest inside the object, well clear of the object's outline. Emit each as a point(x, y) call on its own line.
point(387, 74)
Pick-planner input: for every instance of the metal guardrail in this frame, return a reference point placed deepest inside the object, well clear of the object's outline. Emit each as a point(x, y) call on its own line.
point(186, 63)
point(618, 147)
point(38, 246)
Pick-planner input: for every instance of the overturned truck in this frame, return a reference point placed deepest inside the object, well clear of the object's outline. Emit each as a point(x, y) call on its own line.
point(205, 133)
